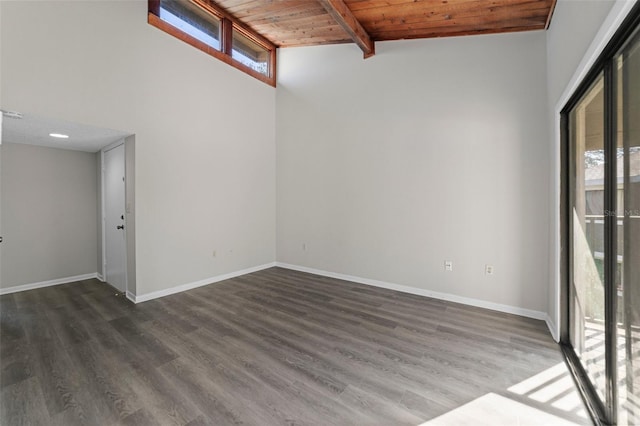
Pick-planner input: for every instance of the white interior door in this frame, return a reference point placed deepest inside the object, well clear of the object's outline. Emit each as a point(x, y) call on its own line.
point(114, 211)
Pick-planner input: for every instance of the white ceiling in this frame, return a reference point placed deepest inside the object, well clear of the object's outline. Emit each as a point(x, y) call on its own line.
point(34, 130)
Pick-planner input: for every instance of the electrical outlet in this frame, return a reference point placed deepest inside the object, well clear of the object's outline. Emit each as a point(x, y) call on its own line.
point(448, 265)
point(488, 269)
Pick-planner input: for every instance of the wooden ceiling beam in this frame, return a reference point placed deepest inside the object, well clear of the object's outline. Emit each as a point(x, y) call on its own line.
point(343, 16)
point(308, 22)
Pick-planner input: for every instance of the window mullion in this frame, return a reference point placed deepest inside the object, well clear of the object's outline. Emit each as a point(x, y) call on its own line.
point(227, 36)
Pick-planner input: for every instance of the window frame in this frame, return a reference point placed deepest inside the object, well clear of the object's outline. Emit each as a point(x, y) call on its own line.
point(228, 24)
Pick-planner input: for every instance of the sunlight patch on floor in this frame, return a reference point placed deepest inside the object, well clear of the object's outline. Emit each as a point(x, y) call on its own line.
point(534, 401)
point(553, 390)
point(496, 410)
point(555, 387)
point(571, 403)
point(539, 380)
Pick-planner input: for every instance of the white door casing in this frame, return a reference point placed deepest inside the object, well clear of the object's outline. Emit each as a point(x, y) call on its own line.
point(113, 178)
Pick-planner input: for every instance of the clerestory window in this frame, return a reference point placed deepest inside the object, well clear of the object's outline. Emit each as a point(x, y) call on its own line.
point(204, 25)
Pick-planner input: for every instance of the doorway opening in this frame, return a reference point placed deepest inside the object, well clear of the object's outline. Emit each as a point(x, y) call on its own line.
point(118, 215)
point(53, 200)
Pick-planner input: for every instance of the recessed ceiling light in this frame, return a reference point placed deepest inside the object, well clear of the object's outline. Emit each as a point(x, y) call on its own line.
point(59, 135)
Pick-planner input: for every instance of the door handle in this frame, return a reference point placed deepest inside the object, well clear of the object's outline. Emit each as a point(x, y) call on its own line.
point(120, 227)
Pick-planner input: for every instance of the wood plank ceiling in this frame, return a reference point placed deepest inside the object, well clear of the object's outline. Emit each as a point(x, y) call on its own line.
point(313, 22)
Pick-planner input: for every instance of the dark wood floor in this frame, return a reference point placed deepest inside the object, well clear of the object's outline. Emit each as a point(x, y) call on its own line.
point(273, 347)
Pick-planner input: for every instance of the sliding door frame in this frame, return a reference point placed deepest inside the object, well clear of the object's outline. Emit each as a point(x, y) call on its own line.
point(602, 412)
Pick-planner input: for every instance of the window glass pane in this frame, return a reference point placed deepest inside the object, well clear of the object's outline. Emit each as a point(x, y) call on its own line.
point(192, 20)
point(627, 72)
point(250, 53)
point(586, 129)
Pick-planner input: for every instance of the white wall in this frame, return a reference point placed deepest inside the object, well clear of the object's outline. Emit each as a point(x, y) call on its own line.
point(431, 150)
point(49, 214)
point(205, 132)
point(573, 28)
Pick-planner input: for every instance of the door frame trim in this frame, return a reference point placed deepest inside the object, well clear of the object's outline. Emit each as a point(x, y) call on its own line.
point(103, 218)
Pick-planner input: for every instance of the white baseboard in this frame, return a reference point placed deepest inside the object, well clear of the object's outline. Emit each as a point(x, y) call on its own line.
point(100, 278)
point(405, 289)
point(552, 328)
point(49, 283)
point(422, 292)
point(184, 287)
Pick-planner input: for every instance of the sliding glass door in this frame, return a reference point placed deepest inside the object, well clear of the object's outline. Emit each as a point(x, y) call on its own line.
point(601, 315)
point(627, 187)
point(586, 292)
